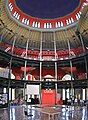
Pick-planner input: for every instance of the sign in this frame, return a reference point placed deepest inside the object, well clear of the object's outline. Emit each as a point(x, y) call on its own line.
point(4, 72)
point(48, 91)
point(32, 90)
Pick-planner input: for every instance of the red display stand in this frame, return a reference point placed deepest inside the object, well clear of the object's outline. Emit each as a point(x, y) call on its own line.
point(48, 97)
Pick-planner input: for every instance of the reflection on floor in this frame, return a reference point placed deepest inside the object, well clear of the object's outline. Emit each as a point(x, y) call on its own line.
point(44, 113)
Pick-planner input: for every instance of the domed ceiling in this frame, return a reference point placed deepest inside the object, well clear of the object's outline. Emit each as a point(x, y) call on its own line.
point(47, 9)
point(34, 14)
point(46, 14)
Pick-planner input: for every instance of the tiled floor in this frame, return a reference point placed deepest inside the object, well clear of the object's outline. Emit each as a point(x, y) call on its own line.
point(35, 113)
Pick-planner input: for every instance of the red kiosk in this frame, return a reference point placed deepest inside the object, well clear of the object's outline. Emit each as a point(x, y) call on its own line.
point(48, 91)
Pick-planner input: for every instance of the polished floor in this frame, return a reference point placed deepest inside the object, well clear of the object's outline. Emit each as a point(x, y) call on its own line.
point(44, 113)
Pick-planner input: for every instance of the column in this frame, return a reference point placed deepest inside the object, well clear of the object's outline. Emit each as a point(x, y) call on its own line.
point(40, 66)
point(25, 66)
point(9, 76)
point(72, 93)
point(13, 94)
point(10, 95)
point(84, 51)
point(63, 94)
point(41, 58)
point(83, 94)
point(87, 93)
point(56, 76)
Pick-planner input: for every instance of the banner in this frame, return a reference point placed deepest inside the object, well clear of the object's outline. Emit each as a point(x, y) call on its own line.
point(4, 72)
